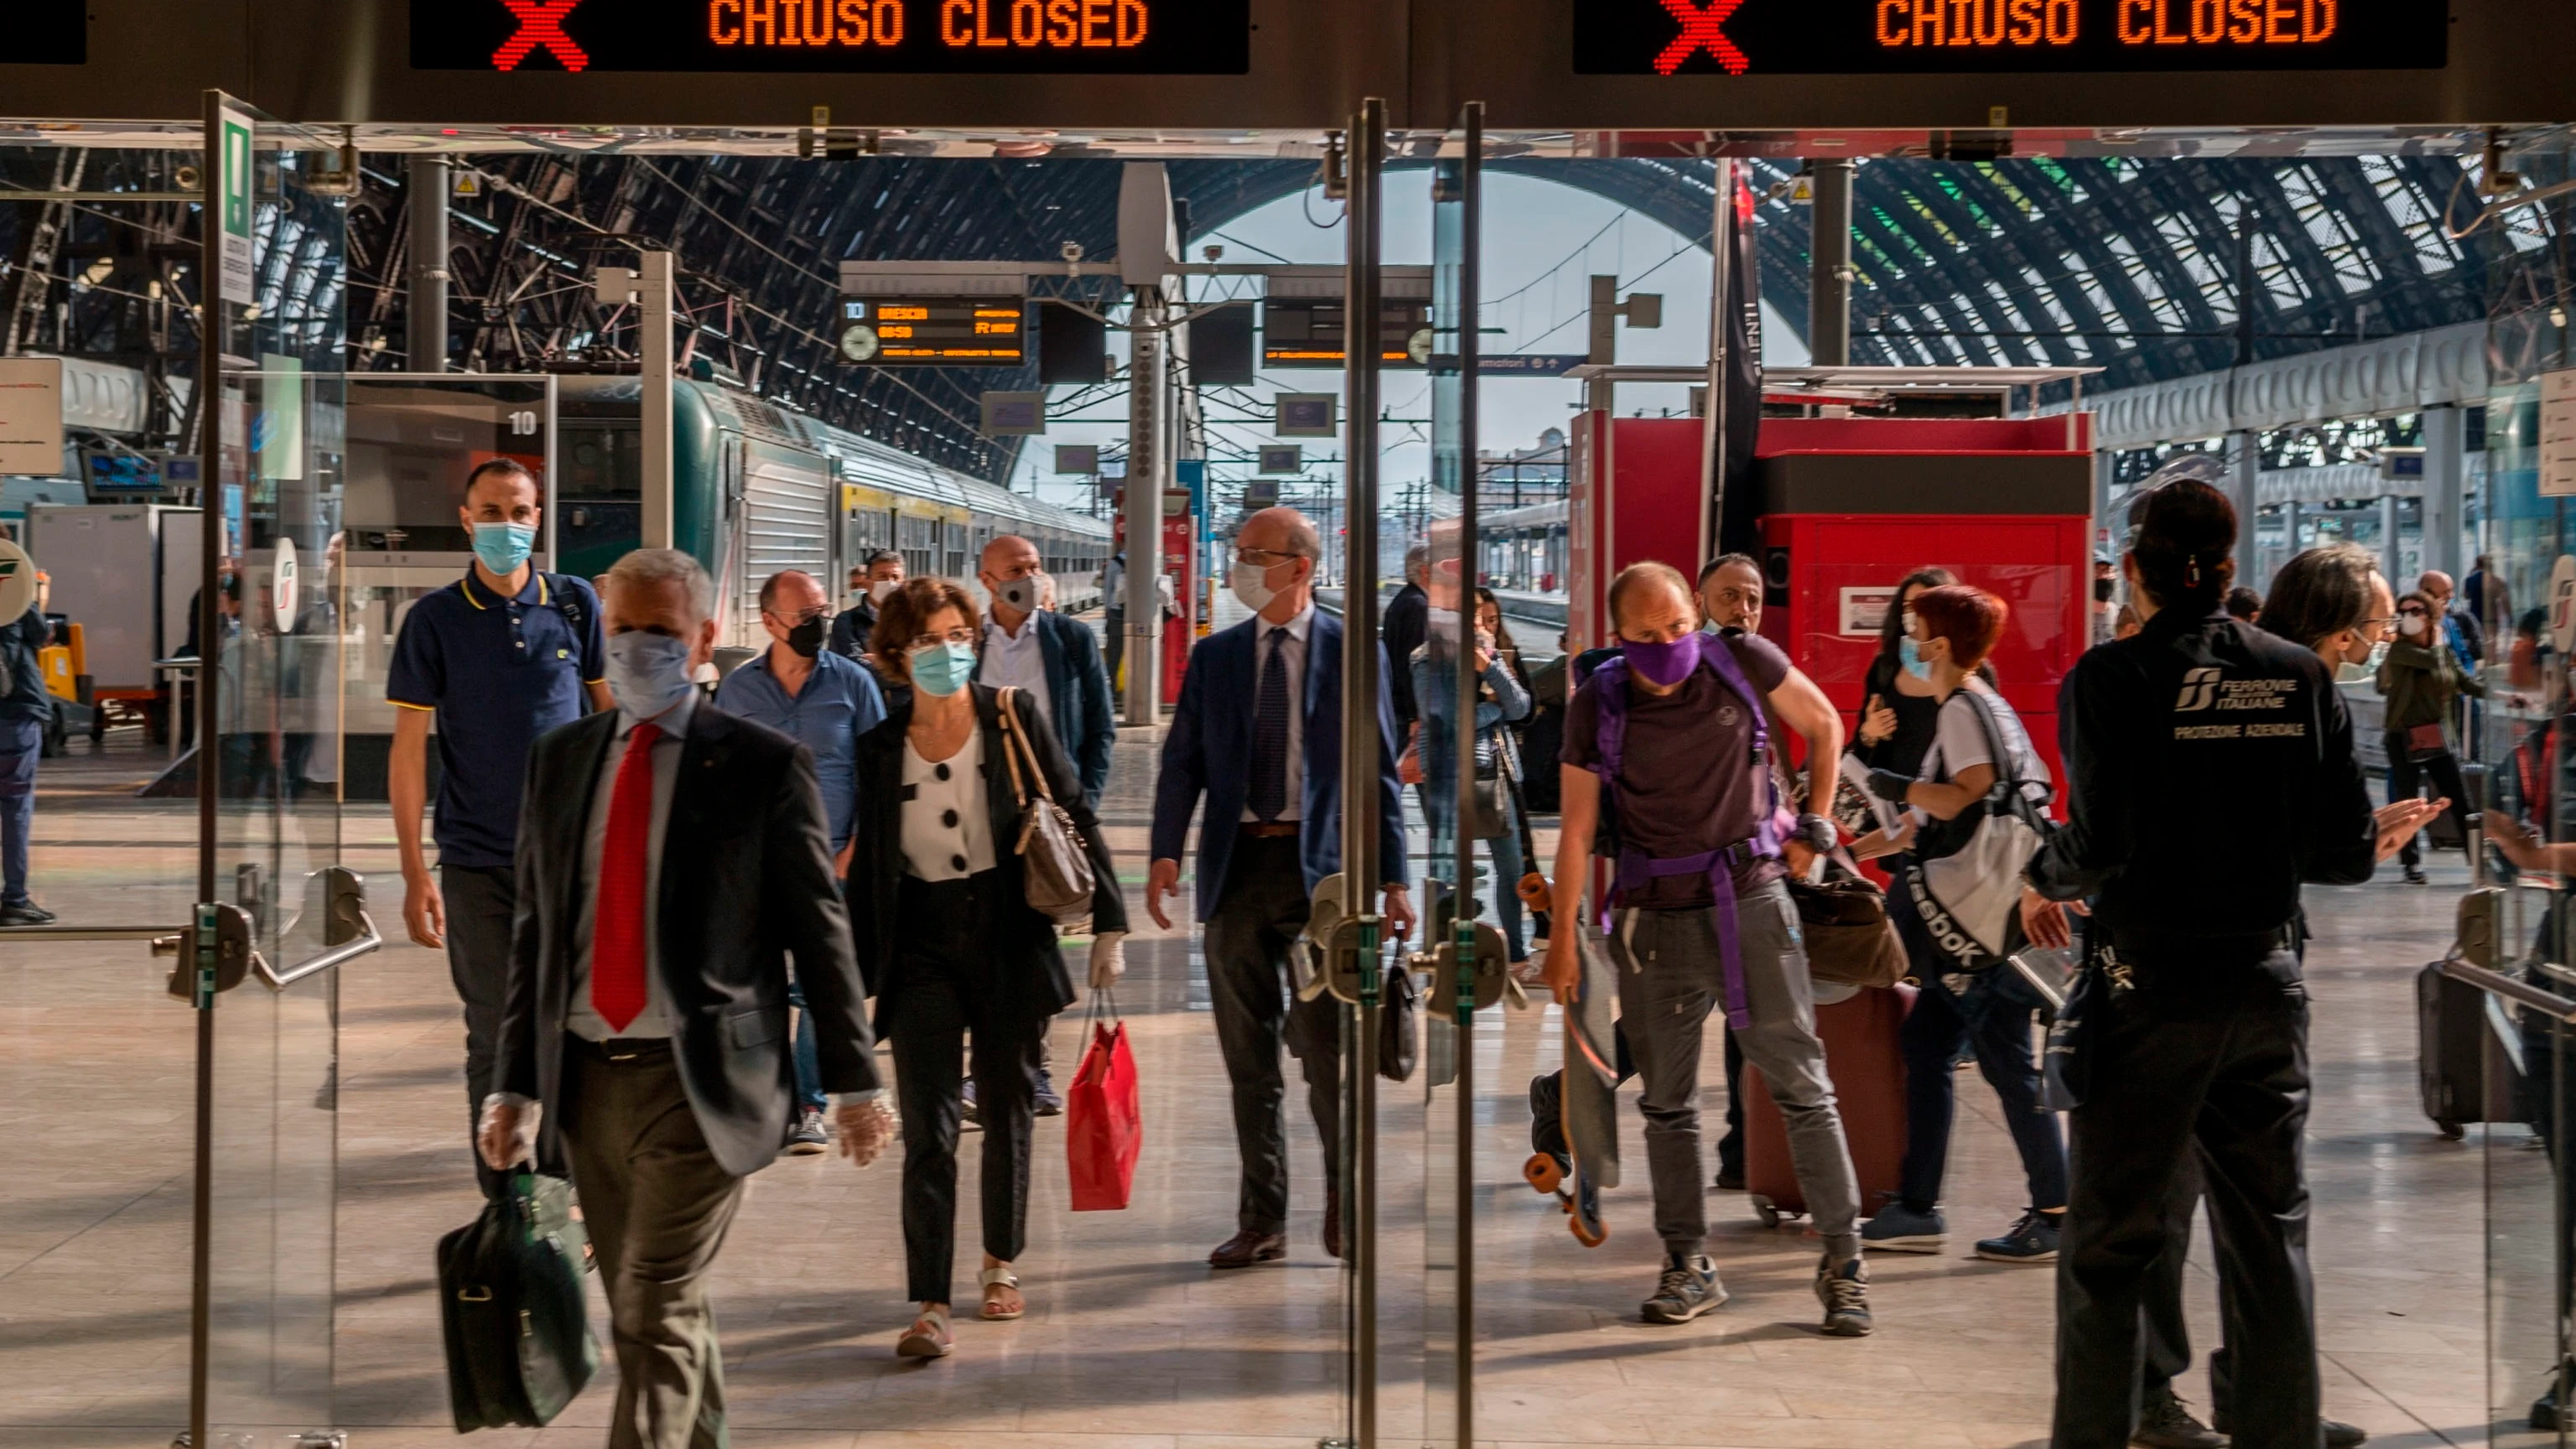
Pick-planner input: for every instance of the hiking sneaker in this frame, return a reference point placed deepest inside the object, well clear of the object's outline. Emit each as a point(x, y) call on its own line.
point(2165, 1422)
point(1844, 1290)
point(806, 1140)
point(1050, 1102)
point(25, 913)
point(1900, 1229)
point(2031, 1240)
point(1688, 1289)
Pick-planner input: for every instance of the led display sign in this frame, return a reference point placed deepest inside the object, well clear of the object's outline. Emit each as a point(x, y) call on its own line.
point(1307, 332)
point(1863, 37)
point(933, 331)
point(1120, 37)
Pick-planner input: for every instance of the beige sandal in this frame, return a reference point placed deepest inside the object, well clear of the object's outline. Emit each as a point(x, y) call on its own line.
point(1001, 1277)
point(928, 1337)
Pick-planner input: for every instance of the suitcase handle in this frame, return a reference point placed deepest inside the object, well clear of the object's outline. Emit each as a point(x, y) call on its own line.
point(473, 1295)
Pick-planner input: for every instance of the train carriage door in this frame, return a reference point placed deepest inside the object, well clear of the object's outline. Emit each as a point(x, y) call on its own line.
point(785, 523)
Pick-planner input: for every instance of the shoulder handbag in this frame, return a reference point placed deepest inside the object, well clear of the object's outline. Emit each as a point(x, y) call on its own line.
point(1055, 866)
point(1968, 898)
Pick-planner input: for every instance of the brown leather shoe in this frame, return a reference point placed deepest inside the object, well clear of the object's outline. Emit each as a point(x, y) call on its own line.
point(1247, 1248)
point(1333, 1224)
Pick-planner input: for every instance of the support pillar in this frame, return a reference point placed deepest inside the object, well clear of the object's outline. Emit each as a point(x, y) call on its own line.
point(425, 326)
point(2392, 551)
point(1146, 467)
point(2245, 471)
point(2446, 482)
point(653, 324)
point(1829, 269)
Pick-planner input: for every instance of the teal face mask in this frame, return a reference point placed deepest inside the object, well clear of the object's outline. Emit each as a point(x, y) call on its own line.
point(942, 669)
point(503, 547)
point(1909, 655)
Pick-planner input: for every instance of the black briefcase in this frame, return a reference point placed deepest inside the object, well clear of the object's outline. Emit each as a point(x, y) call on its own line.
point(519, 1346)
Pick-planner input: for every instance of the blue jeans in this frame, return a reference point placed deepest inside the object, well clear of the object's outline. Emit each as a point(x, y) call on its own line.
point(1506, 851)
point(809, 1067)
point(1993, 1021)
point(22, 743)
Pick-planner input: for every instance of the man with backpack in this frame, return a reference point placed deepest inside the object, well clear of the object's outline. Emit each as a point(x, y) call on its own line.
point(1664, 776)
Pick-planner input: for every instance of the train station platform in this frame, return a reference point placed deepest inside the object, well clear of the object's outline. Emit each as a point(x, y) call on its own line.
point(1131, 1342)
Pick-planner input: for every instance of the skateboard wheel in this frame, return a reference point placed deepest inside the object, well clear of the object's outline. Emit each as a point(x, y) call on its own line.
point(1763, 1209)
point(1543, 1172)
point(1593, 1236)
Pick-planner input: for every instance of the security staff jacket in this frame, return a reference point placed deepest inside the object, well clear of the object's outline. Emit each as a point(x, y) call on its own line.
point(2210, 771)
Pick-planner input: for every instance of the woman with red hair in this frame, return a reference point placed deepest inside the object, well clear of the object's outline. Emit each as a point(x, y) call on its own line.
point(1979, 755)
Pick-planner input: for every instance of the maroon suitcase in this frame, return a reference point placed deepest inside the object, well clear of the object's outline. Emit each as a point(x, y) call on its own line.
point(1867, 1063)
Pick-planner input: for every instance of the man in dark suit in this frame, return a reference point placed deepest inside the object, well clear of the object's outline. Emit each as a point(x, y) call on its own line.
point(1259, 733)
point(870, 582)
point(670, 858)
point(1056, 659)
point(1403, 626)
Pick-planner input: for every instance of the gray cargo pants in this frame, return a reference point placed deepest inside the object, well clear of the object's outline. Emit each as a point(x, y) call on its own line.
point(1670, 978)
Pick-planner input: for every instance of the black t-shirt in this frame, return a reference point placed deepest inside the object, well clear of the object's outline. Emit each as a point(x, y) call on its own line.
point(1688, 782)
point(1917, 720)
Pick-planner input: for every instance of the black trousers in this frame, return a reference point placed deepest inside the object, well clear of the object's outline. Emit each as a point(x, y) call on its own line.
point(2167, 1334)
point(480, 901)
point(2215, 1061)
point(2405, 777)
point(1262, 907)
point(948, 930)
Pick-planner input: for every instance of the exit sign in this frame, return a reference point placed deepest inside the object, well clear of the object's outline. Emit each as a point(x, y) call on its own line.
point(1867, 37)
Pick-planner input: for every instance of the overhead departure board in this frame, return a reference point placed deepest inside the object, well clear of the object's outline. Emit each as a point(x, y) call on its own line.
point(47, 32)
point(933, 331)
point(1109, 37)
point(1308, 331)
point(1866, 37)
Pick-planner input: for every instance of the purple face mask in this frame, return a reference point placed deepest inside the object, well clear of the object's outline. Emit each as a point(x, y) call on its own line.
point(1663, 664)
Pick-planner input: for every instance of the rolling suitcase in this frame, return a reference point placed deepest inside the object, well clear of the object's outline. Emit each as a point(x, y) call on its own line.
point(519, 1346)
point(1867, 1063)
point(2460, 1079)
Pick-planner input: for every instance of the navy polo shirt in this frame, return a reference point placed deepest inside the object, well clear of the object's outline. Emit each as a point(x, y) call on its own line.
point(498, 672)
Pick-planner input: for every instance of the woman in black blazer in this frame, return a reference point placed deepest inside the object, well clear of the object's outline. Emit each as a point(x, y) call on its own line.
point(948, 939)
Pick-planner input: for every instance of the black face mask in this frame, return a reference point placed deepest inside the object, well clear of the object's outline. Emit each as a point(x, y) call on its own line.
point(807, 638)
point(2102, 590)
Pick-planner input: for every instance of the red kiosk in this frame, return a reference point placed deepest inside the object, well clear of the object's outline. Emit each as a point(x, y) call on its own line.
point(1849, 504)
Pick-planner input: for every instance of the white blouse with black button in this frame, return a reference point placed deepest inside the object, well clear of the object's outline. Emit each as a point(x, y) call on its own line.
point(947, 830)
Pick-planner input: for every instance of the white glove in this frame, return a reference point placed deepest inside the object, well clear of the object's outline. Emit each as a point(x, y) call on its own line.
point(1108, 959)
point(507, 1133)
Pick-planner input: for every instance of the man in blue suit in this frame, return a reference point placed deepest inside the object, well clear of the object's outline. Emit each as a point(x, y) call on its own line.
point(1055, 659)
point(1259, 733)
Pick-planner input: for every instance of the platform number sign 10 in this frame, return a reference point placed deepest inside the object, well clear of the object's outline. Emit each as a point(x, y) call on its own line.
point(523, 423)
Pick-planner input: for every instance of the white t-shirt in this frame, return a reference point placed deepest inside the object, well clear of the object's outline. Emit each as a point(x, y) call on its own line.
point(946, 833)
point(1959, 741)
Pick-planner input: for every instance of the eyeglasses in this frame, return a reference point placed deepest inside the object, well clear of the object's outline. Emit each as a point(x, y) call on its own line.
point(919, 642)
point(2410, 613)
point(1269, 558)
point(802, 616)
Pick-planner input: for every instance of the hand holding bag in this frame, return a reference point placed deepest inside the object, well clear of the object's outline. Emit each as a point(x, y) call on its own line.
point(1055, 867)
point(1104, 1130)
point(1848, 936)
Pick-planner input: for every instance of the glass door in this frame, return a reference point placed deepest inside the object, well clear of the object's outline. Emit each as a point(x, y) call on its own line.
point(271, 774)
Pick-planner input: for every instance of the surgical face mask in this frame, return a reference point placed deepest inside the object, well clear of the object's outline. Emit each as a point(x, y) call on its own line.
point(2410, 625)
point(648, 673)
point(503, 547)
point(1251, 583)
point(878, 589)
point(1663, 664)
point(1020, 594)
point(807, 638)
point(942, 669)
point(1910, 654)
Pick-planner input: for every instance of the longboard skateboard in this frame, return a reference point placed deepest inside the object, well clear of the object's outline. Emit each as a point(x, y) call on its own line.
point(1590, 1105)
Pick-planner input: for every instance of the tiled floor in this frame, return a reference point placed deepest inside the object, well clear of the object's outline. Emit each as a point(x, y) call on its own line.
point(1130, 1340)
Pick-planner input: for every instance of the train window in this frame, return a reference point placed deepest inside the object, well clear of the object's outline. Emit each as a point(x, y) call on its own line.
point(602, 461)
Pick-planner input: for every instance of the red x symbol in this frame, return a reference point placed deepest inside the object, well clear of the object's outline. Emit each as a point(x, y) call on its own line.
point(541, 27)
point(1699, 32)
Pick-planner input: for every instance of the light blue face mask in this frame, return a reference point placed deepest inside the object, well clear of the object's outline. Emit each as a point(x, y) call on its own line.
point(1911, 656)
point(942, 669)
point(503, 547)
point(648, 673)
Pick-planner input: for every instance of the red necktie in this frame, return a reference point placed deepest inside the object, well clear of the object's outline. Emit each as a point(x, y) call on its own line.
point(617, 929)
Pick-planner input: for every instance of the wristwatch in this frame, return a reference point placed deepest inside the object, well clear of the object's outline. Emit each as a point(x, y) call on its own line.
point(1816, 832)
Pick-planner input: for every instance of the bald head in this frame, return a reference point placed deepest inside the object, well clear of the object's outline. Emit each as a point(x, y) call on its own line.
point(1285, 547)
point(1008, 559)
point(2435, 585)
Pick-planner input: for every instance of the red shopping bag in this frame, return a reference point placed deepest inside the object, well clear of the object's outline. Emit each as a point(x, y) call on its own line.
point(1103, 1127)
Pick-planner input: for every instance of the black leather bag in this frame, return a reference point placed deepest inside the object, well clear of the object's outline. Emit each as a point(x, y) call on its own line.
point(1848, 936)
point(519, 1347)
point(1399, 1025)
